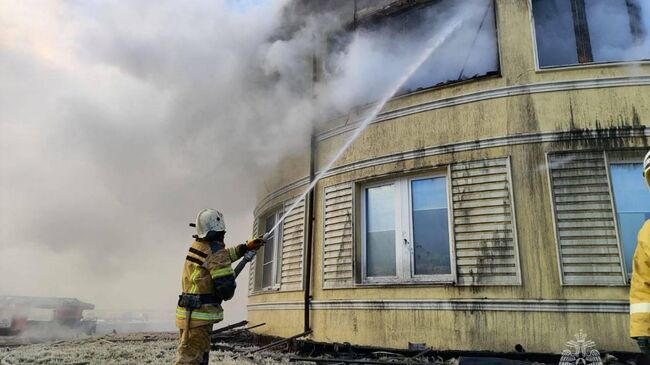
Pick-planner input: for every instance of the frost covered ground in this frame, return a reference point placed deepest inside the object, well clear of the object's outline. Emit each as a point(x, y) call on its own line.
point(139, 348)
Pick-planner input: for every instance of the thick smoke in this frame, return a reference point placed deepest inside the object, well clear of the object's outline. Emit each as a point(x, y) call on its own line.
point(378, 53)
point(120, 120)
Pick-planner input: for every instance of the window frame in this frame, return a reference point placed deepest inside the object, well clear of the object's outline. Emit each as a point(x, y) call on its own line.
point(538, 68)
point(616, 156)
point(619, 160)
point(277, 254)
point(442, 278)
point(497, 73)
point(364, 275)
point(404, 251)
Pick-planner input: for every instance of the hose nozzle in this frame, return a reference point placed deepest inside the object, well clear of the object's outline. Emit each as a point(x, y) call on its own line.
point(266, 236)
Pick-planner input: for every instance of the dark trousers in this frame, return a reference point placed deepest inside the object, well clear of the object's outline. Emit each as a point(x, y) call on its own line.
point(644, 346)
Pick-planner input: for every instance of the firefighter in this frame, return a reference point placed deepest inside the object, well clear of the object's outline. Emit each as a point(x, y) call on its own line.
point(640, 284)
point(208, 279)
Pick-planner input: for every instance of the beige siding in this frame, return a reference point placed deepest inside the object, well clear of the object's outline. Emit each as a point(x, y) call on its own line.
point(338, 241)
point(293, 237)
point(483, 223)
point(252, 264)
point(584, 219)
point(520, 113)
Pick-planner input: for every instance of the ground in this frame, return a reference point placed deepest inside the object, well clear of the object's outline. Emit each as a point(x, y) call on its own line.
point(138, 348)
point(233, 347)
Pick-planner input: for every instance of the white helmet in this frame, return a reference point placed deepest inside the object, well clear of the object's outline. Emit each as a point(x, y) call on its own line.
point(646, 169)
point(209, 220)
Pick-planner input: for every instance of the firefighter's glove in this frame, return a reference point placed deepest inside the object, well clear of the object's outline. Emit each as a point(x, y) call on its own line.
point(255, 244)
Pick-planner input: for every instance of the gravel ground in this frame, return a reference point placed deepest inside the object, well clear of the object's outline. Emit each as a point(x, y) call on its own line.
point(139, 348)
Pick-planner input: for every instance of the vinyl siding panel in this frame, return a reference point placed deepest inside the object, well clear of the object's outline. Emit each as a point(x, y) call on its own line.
point(293, 238)
point(484, 225)
point(584, 219)
point(338, 250)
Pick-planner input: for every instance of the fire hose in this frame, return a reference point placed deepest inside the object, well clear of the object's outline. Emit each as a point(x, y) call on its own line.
point(248, 256)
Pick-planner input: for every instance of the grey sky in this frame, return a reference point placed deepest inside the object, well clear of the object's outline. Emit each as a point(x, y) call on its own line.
point(119, 121)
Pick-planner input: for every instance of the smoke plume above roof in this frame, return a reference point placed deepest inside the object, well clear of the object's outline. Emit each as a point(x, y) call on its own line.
point(119, 121)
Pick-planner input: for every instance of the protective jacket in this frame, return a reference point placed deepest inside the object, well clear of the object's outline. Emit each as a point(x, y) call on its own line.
point(207, 271)
point(640, 285)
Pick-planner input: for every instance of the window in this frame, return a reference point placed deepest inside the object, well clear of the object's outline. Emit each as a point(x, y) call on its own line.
point(388, 40)
point(632, 205)
point(405, 227)
point(269, 259)
point(570, 32)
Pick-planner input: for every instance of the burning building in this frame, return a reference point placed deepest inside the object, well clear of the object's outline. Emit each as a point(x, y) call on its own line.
point(495, 201)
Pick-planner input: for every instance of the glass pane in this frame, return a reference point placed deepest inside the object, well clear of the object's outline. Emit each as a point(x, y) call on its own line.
point(267, 276)
point(268, 253)
point(463, 55)
point(380, 231)
point(617, 31)
point(278, 245)
point(610, 31)
point(391, 43)
point(632, 201)
point(556, 41)
point(269, 247)
point(430, 227)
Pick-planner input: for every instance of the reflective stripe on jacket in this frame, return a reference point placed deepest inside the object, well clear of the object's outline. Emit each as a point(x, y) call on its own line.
point(640, 285)
point(202, 266)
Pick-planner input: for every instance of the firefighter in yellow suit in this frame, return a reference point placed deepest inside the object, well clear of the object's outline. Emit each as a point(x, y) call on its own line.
point(640, 284)
point(208, 279)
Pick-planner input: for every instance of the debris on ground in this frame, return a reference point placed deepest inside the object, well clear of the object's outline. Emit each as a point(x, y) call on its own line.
point(235, 346)
point(138, 348)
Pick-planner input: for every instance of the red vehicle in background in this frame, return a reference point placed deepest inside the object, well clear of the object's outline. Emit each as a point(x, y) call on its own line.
point(12, 326)
point(20, 314)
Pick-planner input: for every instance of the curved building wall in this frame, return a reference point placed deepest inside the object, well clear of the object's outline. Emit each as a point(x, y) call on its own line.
point(535, 251)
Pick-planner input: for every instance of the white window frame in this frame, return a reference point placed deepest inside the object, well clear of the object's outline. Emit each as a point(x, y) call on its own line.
point(619, 161)
point(404, 251)
point(277, 255)
point(364, 261)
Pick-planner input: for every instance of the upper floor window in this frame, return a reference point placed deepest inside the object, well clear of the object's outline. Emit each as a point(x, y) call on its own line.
point(270, 255)
point(632, 205)
point(406, 231)
point(385, 41)
point(570, 32)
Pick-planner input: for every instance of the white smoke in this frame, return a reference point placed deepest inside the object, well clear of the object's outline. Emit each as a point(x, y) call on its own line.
point(120, 120)
point(377, 56)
